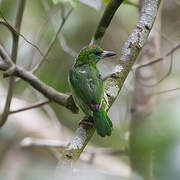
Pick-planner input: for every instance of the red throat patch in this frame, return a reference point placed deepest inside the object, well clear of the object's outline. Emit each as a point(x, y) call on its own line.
point(93, 46)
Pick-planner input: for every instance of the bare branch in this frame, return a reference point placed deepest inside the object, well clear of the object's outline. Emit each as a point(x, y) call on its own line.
point(162, 79)
point(36, 105)
point(165, 91)
point(5, 23)
point(15, 33)
point(50, 112)
point(114, 83)
point(63, 43)
point(5, 57)
point(64, 18)
point(39, 35)
point(47, 91)
point(170, 52)
point(66, 48)
point(14, 53)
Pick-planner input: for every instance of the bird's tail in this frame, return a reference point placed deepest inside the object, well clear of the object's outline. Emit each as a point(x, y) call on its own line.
point(102, 122)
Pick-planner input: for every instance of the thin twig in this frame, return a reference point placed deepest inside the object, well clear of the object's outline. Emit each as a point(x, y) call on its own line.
point(66, 48)
point(159, 59)
point(36, 105)
point(38, 36)
point(4, 22)
point(14, 53)
point(61, 39)
point(64, 18)
point(50, 112)
point(162, 79)
point(170, 53)
point(165, 91)
point(15, 33)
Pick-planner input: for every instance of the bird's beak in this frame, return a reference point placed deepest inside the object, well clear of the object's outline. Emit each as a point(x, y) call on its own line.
point(105, 54)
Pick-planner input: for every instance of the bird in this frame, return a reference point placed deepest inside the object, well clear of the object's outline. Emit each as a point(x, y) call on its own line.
point(87, 87)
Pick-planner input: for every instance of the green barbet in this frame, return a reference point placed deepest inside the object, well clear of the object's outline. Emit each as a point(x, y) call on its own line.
point(87, 87)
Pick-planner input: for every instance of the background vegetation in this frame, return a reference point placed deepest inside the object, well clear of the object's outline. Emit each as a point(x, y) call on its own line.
point(151, 116)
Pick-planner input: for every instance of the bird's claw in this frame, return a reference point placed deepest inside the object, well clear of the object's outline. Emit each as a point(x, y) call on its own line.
point(88, 120)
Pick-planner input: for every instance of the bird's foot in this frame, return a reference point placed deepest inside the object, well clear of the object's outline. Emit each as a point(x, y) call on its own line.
point(88, 120)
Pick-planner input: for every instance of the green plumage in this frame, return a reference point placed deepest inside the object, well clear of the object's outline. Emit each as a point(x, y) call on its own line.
point(87, 88)
point(102, 122)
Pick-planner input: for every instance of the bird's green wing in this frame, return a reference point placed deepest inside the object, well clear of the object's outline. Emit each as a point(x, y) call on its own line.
point(86, 84)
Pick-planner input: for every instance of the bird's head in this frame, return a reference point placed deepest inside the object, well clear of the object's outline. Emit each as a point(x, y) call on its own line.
point(92, 54)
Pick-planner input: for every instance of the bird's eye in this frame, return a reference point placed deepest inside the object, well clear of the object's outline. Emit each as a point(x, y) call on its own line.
point(98, 53)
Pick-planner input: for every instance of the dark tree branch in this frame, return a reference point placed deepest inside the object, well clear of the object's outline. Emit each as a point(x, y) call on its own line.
point(8, 26)
point(106, 20)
